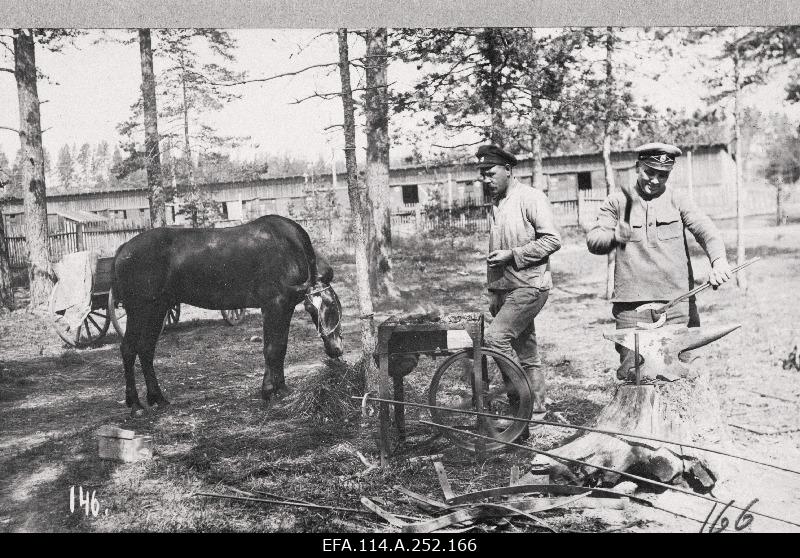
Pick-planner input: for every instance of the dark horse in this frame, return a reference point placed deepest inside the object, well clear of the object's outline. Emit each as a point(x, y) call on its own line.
point(268, 263)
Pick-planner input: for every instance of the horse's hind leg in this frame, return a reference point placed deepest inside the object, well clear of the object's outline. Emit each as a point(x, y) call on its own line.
point(146, 347)
point(277, 317)
point(128, 350)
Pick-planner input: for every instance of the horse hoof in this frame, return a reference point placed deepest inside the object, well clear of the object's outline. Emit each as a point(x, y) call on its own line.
point(137, 411)
point(158, 400)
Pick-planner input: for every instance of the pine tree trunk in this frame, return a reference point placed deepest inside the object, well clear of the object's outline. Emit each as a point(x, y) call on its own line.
point(155, 184)
point(32, 169)
point(741, 277)
point(608, 170)
point(537, 166)
point(358, 213)
point(193, 194)
point(376, 101)
point(6, 291)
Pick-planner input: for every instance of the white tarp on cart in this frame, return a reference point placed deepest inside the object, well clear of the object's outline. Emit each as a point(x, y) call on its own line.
point(72, 294)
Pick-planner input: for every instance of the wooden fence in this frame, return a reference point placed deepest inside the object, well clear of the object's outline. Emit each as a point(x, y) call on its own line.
point(68, 237)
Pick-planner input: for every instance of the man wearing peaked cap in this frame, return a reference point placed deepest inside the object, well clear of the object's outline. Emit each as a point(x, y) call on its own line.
point(522, 238)
point(490, 155)
point(645, 224)
point(659, 156)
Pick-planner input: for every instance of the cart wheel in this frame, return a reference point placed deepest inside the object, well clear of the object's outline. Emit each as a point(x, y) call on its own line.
point(93, 327)
point(119, 317)
point(452, 386)
point(233, 317)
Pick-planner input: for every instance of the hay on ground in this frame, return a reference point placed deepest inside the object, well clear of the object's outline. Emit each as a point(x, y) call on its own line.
point(325, 393)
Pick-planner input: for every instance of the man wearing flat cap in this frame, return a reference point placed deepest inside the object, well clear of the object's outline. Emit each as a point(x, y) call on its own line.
point(522, 238)
point(646, 226)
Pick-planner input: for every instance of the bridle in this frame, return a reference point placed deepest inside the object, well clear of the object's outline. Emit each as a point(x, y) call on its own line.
point(319, 309)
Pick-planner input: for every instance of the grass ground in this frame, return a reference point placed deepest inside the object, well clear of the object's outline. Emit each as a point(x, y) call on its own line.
point(218, 436)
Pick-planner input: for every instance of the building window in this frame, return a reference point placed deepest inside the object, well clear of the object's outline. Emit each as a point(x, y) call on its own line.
point(584, 181)
point(410, 194)
point(224, 210)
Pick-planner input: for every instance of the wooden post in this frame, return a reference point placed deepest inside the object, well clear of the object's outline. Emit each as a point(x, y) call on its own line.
point(449, 191)
point(79, 236)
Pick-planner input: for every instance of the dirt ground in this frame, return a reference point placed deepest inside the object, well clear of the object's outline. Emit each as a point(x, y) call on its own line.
point(218, 436)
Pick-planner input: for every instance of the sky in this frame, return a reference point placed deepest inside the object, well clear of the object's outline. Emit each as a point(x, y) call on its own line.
point(89, 88)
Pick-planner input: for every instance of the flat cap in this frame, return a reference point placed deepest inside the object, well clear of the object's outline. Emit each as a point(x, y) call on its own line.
point(659, 156)
point(491, 155)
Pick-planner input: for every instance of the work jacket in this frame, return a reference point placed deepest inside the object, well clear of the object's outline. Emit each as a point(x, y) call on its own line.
point(654, 264)
point(522, 222)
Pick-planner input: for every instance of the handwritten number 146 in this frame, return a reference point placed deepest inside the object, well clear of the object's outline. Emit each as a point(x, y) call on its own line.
point(91, 504)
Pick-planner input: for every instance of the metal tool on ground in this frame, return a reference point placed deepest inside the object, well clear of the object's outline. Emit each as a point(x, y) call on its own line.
point(622, 473)
point(588, 429)
point(662, 309)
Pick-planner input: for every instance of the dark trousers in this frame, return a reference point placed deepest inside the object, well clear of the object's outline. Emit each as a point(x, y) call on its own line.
point(513, 333)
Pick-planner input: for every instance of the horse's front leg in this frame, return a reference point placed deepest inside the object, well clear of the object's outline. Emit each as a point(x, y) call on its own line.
point(276, 318)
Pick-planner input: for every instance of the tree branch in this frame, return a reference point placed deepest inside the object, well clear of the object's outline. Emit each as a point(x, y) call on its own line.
point(9, 70)
point(269, 78)
point(10, 129)
point(332, 95)
point(457, 146)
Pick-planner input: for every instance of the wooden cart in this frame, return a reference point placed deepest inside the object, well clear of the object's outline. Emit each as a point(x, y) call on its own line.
point(104, 310)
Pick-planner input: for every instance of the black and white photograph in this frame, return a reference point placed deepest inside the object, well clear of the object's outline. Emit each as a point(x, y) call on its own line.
point(400, 276)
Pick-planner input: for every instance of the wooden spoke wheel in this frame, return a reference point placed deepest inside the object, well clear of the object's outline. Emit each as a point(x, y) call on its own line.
point(119, 317)
point(506, 391)
point(92, 328)
point(233, 317)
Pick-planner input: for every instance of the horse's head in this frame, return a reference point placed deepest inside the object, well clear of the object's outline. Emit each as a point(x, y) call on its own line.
point(326, 313)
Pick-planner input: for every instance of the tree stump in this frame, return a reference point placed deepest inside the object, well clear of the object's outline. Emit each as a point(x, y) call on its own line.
point(686, 410)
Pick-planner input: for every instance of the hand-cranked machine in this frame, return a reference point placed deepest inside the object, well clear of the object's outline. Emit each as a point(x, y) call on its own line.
point(475, 378)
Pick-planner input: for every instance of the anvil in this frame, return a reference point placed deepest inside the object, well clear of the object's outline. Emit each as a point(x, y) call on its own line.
point(661, 349)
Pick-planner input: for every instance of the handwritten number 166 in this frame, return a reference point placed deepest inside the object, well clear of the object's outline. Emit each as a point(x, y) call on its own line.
point(742, 522)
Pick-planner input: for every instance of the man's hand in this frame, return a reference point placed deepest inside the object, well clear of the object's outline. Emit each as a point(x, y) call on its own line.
point(623, 232)
point(720, 272)
point(499, 257)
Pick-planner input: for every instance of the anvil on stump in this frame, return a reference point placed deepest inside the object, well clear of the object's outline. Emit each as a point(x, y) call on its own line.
point(684, 408)
point(664, 350)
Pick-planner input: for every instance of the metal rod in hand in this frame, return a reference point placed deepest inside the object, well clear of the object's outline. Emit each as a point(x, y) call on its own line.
point(610, 470)
point(584, 428)
point(702, 287)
